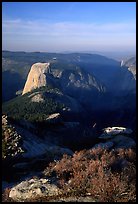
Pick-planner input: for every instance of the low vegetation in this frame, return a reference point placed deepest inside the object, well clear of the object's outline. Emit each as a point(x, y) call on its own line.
point(105, 176)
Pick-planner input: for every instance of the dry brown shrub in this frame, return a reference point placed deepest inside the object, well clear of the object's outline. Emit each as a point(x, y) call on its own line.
point(92, 172)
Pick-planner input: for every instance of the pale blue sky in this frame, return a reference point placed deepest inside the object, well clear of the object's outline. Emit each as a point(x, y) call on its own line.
point(69, 26)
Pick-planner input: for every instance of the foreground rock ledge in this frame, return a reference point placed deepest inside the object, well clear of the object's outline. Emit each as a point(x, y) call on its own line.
point(30, 189)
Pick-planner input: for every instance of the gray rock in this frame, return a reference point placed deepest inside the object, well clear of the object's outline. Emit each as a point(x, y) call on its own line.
point(35, 187)
point(54, 118)
point(36, 77)
point(33, 146)
point(105, 136)
point(37, 98)
point(110, 132)
point(121, 141)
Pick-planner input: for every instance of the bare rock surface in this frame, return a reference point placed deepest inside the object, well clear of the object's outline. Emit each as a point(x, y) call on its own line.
point(37, 98)
point(121, 141)
point(35, 146)
point(119, 137)
point(36, 77)
point(54, 118)
point(34, 187)
point(110, 132)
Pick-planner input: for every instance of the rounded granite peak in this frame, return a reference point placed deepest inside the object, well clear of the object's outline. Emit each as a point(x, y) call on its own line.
point(36, 77)
point(40, 65)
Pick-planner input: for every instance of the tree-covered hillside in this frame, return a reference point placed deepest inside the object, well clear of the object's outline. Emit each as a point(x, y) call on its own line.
point(23, 107)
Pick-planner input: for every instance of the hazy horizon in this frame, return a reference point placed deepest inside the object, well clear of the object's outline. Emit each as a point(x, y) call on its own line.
point(69, 26)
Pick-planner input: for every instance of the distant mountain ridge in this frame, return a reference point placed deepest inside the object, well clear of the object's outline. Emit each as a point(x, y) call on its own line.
point(104, 69)
point(88, 83)
point(86, 89)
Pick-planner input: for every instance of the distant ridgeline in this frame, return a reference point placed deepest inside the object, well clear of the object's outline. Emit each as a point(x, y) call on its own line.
point(87, 85)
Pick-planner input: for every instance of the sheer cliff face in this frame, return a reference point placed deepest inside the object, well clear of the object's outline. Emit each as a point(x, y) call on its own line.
point(68, 80)
point(36, 77)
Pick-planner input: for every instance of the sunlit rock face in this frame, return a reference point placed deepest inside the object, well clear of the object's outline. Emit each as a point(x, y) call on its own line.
point(116, 137)
point(36, 77)
point(110, 132)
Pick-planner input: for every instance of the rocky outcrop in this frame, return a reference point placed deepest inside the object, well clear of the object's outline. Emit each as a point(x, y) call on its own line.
point(36, 77)
point(111, 131)
point(36, 147)
point(19, 139)
point(32, 188)
point(37, 98)
point(80, 84)
point(26, 152)
point(116, 137)
point(59, 151)
point(54, 118)
point(121, 141)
